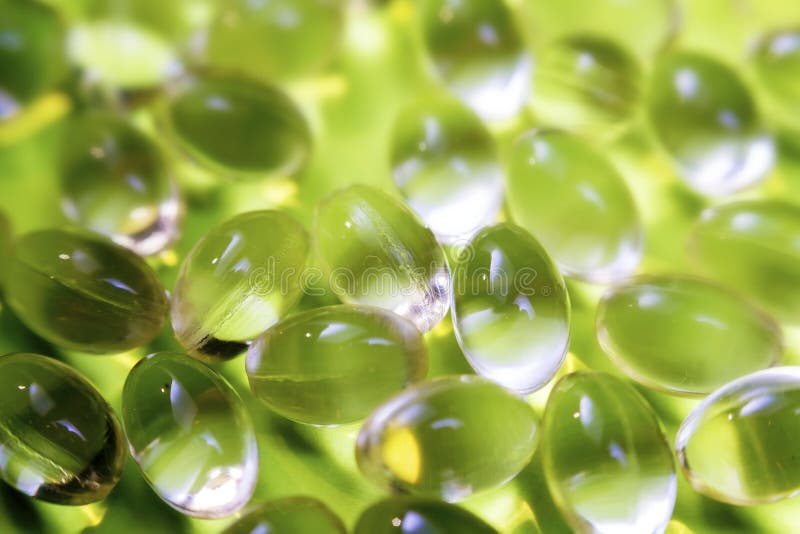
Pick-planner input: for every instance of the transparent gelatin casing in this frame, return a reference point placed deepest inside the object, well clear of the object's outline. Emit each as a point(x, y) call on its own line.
point(377, 253)
point(190, 435)
point(776, 60)
point(395, 515)
point(289, 515)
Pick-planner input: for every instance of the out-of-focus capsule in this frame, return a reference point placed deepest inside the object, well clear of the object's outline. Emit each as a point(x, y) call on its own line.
point(401, 515)
point(377, 253)
point(606, 460)
point(777, 64)
point(290, 515)
point(448, 438)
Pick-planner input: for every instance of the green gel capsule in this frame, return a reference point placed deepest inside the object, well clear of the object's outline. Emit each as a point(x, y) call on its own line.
point(739, 445)
point(606, 460)
point(32, 59)
point(401, 515)
point(511, 309)
point(777, 64)
point(335, 365)
point(290, 515)
point(707, 121)
point(115, 181)
point(684, 335)
point(378, 253)
point(237, 126)
point(586, 84)
point(83, 292)
point(254, 37)
point(476, 50)
point(190, 434)
point(593, 231)
point(60, 440)
point(449, 438)
point(753, 246)
point(446, 165)
point(6, 248)
point(237, 281)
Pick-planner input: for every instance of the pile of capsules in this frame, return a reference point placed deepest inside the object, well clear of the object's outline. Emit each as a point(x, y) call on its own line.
point(484, 233)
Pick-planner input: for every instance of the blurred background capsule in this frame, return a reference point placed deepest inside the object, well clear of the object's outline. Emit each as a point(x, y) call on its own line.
point(776, 59)
point(288, 515)
point(401, 515)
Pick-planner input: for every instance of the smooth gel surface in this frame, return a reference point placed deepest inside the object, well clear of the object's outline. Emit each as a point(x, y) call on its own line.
point(414, 515)
point(289, 515)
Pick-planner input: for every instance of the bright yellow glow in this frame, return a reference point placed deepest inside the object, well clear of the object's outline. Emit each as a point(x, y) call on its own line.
point(401, 454)
point(94, 514)
point(281, 192)
point(34, 117)
point(401, 10)
point(169, 258)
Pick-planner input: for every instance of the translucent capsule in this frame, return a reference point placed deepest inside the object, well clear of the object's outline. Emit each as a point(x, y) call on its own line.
point(115, 181)
point(334, 365)
point(253, 37)
point(510, 309)
point(60, 442)
point(587, 84)
point(448, 438)
point(32, 59)
point(684, 335)
point(777, 64)
point(753, 246)
point(237, 281)
point(290, 515)
point(378, 253)
point(401, 515)
point(706, 119)
point(593, 230)
point(739, 445)
point(606, 460)
point(476, 50)
point(80, 291)
point(5, 247)
point(190, 434)
point(446, 166)
point(237, 126)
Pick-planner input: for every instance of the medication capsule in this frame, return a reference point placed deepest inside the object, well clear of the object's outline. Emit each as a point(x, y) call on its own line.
point(606, 460)
point(83, 292)
point(739, 445)
point(60, 441)
point(753, 246)
point(237, 126)
point(476, 50)
point(336, 364)
point(575, 202)
point(511, 309)
point(684, 335)
point(190, 435)
point(707, 121)
point(446, 165)
point(400, 515)
point(376, 252)
point(587, 84)
point(289, 515)
point(777, 64)
point(115, 181)
point(237, 281)
point(448, 438)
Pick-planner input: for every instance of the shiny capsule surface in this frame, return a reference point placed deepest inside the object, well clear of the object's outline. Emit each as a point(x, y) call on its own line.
point(448, 438)
point(446, 165)
point(593, 230)
point(289, 515)
point(606, 460)
point(83, 292)
point(238, 280)
point(414, 515)
point(376, 252)
point(739, 445)
point(237, 126)
point(475, 48)
point(684, 335)
point(707, 121)
point(777, 64)
point(190, 434)
point(60, 440)
point(753, 246)
point(334, 365)
point(510, 308)
point(115, 181)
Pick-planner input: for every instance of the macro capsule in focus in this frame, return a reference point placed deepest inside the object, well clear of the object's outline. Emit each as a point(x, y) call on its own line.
point(190, 435)
point(448, 438)
point(60, 441)
point(401, 515)
point(334, 365)
point(289, 515)
point(83, 292)
point(238, 280)
point(606, 460)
